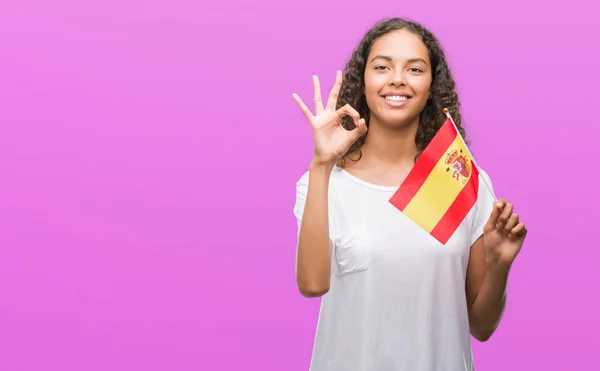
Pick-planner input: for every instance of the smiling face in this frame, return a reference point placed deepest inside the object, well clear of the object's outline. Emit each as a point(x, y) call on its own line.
point(397, 78)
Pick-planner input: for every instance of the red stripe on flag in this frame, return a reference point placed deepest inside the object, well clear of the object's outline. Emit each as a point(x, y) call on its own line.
point(458, 210)
point(424, 165)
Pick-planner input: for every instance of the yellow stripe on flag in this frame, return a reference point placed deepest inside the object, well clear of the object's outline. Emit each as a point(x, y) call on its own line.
point(437, 193)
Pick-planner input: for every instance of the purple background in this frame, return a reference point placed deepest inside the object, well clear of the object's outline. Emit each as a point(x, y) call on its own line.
point(149, 152)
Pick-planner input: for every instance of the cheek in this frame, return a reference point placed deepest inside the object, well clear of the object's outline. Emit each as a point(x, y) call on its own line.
point(372, 97)
point(373, 86)
point(422, 86)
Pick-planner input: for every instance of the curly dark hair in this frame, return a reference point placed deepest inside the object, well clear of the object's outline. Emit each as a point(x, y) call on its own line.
point(443, 94)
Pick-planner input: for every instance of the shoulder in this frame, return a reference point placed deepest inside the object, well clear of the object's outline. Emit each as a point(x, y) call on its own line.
point(486, 191)
point(302, 186)
point(484, 174)
point(302, 181)
point(483, 205)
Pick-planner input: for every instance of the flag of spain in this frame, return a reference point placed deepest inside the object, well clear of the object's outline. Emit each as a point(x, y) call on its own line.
point(442, 187)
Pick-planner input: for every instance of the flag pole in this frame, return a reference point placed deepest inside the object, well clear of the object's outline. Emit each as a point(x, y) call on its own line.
point(488, 186)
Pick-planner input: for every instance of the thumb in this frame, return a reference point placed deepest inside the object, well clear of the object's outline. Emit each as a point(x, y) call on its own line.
point(493, 220)
point(359, 130)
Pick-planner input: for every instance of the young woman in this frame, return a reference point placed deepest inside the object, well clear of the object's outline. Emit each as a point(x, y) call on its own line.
point(393, 298)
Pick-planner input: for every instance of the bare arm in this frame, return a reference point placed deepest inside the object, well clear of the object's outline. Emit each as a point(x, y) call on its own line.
point(486, 292)
point(331, 141)
point(314, 244)
point(491, 258)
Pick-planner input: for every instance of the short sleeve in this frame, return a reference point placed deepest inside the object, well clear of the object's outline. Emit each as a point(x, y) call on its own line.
point(484, 205)
point(301, 192)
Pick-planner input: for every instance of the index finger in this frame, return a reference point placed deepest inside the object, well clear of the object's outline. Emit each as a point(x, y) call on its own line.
point(333, 95)
point(318, 99)
point(493, 219)
point(303, 106)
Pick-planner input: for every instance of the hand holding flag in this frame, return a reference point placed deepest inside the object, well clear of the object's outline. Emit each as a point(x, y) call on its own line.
point(443, 186)
point(503, 235)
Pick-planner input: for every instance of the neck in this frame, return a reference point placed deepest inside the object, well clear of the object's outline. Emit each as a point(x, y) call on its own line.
point(390, 145)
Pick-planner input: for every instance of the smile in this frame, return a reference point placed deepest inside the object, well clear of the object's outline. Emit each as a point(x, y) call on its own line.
point(396, 100)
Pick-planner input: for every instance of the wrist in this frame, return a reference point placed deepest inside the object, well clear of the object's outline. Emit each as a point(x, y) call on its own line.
point(497, 266)
point(320, 166)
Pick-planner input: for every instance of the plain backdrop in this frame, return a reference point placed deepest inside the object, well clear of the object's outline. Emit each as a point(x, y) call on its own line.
point(149, 152)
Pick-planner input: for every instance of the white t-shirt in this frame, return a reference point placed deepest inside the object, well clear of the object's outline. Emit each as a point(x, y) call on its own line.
point(397, 298)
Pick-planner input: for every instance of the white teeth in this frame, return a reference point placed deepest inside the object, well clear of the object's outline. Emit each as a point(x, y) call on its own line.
point(396, 98)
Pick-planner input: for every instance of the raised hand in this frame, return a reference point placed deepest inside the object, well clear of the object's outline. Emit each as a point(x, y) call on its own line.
point(331, 139)
point(503, 234)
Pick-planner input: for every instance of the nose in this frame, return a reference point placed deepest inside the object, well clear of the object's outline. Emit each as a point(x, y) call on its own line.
point(398, 78)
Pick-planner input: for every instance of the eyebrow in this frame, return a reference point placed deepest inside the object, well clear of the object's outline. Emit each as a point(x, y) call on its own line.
point(389, 59)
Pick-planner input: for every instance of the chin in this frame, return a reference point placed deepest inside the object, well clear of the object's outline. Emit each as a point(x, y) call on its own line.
point(397, 119)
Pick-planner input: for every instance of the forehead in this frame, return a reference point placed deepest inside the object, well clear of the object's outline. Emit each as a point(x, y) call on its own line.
point(401, 44)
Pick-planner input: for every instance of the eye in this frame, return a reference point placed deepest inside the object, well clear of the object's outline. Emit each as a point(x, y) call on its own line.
point(415, 69)
point(380, 67)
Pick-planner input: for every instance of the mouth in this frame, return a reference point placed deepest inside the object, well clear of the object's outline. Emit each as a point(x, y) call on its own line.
point(396, 100)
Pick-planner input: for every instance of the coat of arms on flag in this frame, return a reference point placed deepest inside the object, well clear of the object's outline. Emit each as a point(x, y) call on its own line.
point(459, 165)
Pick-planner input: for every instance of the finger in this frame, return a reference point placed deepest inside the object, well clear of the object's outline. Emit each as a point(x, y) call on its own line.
point(503, 218)
point(512, 222)
point(519, 231)
point(318, 99)
point(333, 94)
point(493, 220)
point(348, 110)
point(358, 131)
point(303, 107)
